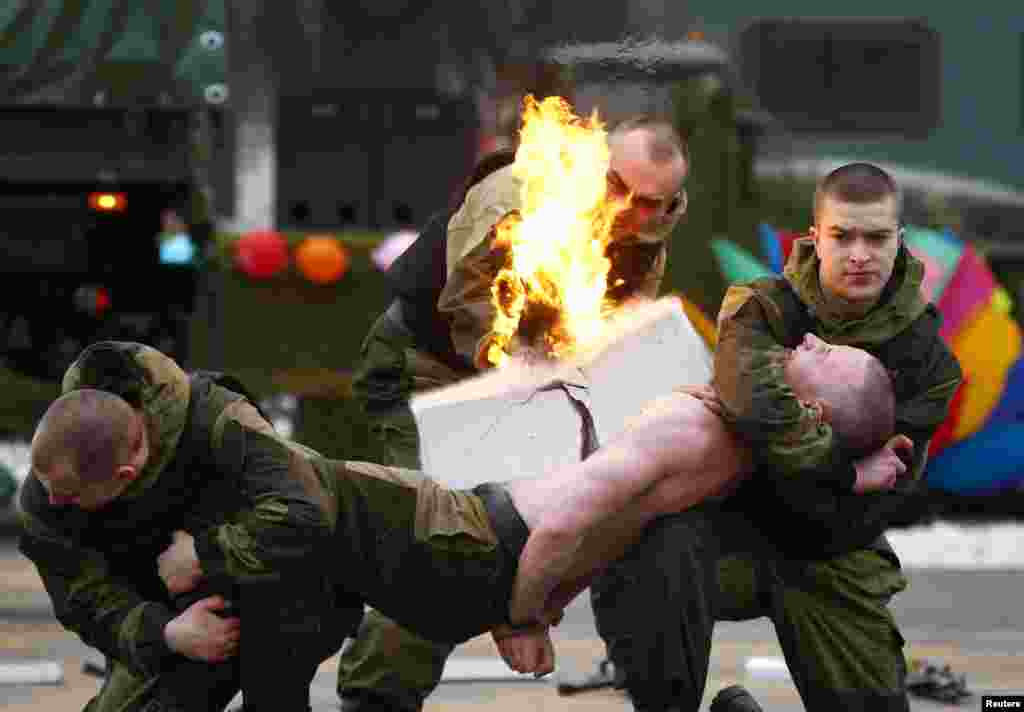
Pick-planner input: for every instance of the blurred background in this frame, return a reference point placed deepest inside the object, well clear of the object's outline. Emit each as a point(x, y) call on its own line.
point(228, 180)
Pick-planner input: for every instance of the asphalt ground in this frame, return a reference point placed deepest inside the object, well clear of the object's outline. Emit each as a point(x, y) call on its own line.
point(969, 619)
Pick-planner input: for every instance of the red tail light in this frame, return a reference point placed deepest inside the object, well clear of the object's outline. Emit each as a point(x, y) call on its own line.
point(93, 300)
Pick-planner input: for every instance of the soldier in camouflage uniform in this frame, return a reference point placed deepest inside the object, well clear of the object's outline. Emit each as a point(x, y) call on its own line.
point(155, 497)
point(798, 543)
point(148, 485)
point(438, 329)
point(214, 467)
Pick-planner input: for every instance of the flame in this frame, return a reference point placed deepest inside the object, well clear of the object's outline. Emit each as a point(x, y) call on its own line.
point(552, 287)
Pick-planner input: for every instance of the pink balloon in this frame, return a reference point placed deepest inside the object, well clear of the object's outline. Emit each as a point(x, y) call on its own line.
point(261, 253)
point(392, 247)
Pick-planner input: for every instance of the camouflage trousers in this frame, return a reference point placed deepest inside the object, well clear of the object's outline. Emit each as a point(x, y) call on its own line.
point(127, 691)
point(692, 569)
point(277, 663)
point(384, 658)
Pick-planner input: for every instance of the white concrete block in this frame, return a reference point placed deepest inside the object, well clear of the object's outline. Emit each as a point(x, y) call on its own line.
point(502, 425)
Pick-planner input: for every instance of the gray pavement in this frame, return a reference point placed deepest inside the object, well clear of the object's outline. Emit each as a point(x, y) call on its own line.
point(967, 618)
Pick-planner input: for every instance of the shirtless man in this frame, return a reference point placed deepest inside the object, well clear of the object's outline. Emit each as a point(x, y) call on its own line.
point(676, 454)
point(501, 558)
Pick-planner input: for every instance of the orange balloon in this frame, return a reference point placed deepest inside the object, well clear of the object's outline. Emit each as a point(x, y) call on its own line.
point(321, 259)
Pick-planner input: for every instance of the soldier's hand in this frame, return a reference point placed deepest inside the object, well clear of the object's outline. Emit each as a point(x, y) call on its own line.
point(882, 469)
point(200, 634)
point(179, 565)
point(526, 650)
point(706, 394)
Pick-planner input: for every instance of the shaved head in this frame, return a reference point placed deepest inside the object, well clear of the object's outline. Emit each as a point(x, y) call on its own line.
point(660, 141)
point(863, 413)
point(855, 385)
point(88, 430)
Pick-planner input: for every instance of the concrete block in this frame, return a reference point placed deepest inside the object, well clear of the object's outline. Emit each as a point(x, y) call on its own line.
point(509, 423)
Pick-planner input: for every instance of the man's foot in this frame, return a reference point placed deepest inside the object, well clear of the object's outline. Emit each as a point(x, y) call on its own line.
point(365, 701)
point(734, 698)
point(606, 675)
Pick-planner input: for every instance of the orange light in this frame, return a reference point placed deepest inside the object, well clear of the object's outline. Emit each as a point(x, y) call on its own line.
point(107, 202)
point(695, 36)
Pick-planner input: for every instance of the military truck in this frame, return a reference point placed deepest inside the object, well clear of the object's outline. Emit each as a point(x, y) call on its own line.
point(109, 115)
point(83, 192)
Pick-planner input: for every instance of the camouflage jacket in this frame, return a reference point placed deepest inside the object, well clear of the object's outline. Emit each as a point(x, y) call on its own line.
point(804, 477)
point(252, 500)
point(638, 262)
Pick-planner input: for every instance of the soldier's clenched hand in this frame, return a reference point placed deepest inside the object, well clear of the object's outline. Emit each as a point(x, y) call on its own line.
point(179, 565)
point(882, 469)
point(526, 650)
point(199, 633)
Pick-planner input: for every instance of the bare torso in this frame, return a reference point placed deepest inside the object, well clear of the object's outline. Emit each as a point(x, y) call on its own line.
point(678, 454)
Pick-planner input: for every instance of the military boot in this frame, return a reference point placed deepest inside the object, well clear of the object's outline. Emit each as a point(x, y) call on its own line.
point(734, 698)
point(366, 701)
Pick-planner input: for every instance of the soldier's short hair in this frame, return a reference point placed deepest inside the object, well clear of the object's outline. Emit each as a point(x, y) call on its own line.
point(93, 430)
point(856, 183)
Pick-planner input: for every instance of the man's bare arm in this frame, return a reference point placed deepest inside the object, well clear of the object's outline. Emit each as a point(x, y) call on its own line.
point(594, 490)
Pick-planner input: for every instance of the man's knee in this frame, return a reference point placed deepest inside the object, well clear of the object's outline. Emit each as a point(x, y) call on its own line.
point(837, 624)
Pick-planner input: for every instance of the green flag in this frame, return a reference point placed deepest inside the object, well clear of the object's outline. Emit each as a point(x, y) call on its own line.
point(736, 264)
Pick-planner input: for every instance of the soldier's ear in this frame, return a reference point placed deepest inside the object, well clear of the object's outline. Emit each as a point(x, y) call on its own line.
point(140, 455)
point(126, 473)
point(813, 232)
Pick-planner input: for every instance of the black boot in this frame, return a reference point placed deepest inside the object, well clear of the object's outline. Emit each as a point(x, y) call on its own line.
point(366, 701)
point(734, 698)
